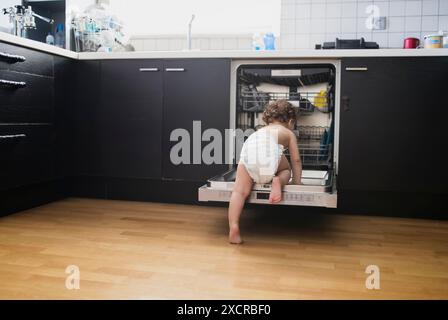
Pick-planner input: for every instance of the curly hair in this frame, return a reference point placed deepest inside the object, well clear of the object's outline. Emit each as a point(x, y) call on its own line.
point(279, 110)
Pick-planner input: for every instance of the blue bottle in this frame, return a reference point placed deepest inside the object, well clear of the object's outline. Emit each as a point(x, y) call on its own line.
point(269, 41)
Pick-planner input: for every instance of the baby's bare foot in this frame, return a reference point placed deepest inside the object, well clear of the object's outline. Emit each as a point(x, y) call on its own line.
point(276, 191)
point(234, 235)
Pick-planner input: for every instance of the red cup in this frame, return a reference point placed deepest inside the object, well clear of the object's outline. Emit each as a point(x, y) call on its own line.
point(411, 43)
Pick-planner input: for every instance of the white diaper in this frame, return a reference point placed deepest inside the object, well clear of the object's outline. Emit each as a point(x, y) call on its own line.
point(261, 154)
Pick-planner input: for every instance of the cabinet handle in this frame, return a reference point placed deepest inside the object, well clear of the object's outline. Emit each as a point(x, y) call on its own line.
point(149, 69)
point(356, 69)
point(12, 136)
point(14, 84)
point(12, 57)
point(174, 69)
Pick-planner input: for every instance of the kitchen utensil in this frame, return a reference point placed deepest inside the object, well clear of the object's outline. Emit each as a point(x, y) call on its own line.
point(350, 44)
point(411, 43)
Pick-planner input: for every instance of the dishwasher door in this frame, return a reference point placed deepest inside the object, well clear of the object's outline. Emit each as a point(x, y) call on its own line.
point(317, 190)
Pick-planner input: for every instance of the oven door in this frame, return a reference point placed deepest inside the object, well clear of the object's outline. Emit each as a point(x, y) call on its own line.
point(317, 190)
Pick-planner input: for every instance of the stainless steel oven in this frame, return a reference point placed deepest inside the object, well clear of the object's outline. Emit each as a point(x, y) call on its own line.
point(313, 87)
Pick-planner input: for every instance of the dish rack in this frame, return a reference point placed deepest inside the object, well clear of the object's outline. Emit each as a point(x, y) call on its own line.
point(254, 101)
point(314, 146)
point(87, 36)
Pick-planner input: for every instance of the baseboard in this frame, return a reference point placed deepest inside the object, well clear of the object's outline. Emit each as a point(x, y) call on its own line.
point(396, 204)
point(27, 197)
point(355, 202)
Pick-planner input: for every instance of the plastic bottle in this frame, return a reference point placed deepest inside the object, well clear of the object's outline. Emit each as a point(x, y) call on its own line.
point(269, 41)
point(60, 36)
point(257, 42)
point(445, 38)
point(49, 39)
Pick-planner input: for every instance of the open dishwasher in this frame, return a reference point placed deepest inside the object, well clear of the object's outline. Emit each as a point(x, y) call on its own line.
point(312, 86)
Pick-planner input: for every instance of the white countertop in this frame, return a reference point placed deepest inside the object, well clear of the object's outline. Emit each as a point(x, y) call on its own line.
point(246, 54)
point(6, 37)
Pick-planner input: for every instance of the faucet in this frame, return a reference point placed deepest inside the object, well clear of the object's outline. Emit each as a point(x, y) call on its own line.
point(23, 18)
point(189, 32)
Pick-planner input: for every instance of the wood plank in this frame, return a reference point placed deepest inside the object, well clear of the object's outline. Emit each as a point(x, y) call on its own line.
point(136, 250)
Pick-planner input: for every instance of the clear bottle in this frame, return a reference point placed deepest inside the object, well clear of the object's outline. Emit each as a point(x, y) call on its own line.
point(257, 42)
point(60, 36)
point(49, 39)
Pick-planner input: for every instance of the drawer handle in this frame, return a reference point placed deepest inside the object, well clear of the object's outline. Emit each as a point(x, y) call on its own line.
point(356, 69)
point(174, 69)
point(12, 136)
point(14, 84)
point(149, 69)
point(12, 57)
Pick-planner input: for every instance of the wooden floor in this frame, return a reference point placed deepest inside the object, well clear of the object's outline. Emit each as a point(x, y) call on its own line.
point(133, 250)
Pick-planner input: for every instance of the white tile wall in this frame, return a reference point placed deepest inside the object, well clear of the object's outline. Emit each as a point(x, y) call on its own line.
point(443, 7)
point(202, 42)
point(302, 26)
point(430, 23)
point(305, 23)
point(430, 7)
point(349, 9)
point(413, 8)
point(316, 21)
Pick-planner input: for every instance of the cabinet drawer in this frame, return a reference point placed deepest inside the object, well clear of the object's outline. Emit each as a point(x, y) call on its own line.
point(28, 155)
point(30, 104)
point(35, 62)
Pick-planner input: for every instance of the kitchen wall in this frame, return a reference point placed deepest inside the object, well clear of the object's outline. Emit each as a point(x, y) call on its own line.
point(305, 23)
point(202, 42)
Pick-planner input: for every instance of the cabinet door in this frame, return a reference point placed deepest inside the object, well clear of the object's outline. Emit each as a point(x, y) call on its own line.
point(28, 155)
point(64, 99)
point(393, 130)
point(131, 116)
point(23, 60)
point(195, 90)
point(87, 127)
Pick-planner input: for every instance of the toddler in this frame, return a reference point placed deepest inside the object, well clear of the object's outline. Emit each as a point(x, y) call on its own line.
point(263, 161)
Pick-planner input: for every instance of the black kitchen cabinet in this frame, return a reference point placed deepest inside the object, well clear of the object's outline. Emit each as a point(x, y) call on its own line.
point(64, 114)
point(32, 103)
point(18, 59)
point(393, 125)
point(28, 135)
point(194, 90)
point(131, 118)
point(28, 155)
point(88, 149)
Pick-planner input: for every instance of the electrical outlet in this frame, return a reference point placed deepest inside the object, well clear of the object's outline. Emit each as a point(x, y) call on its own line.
point(379, 23)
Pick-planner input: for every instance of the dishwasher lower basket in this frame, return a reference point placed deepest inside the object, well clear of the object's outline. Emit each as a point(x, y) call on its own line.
point(315, 146)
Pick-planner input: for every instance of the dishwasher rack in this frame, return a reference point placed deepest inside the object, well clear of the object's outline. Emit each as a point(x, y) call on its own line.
point(306, 102)
point(315, 146)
